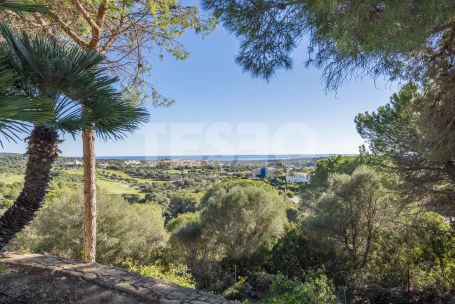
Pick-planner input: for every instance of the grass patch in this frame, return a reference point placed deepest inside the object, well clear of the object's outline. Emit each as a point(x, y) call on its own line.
point(116, 172)
point(110, 186)
point(198, 195)
point(115, 188)
point(125, 175)
point(3, 267)
point(75, 171)
point(11, 178)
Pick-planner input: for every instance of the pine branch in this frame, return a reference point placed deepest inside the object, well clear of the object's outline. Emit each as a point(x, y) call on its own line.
point(86, 15)
point(67, 29)
point(44, 25)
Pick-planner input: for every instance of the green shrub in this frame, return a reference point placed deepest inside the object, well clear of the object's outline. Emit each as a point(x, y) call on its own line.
point(243, 183)
point(243, 221)
point(420, 254)
point(236, 226)
point(236, 291)
point(182, 203)
point(176, 273)
point(181, 220)
point(317, 289)
point(124, 231)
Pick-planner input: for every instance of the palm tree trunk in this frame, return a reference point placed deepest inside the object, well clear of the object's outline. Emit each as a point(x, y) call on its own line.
point(88, 143)
point(42, 152)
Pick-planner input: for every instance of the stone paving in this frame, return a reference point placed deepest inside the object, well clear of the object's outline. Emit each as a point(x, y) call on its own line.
point(153, 290)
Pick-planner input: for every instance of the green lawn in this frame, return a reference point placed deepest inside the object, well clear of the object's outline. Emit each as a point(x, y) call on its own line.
point(11, 178)
point(105, 184)
point(77, 171)
point(114, 187)
point(110, 186)
point(124, 175)
point(118, 173)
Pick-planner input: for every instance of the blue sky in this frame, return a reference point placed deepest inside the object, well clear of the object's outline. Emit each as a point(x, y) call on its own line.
point(220, 109)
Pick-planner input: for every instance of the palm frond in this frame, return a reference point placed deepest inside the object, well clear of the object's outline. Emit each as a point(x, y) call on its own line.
point(21, 6)
point(53, 67)
point(114, 118)
point(83, 95)
point(23, 108)
point(10, 130)
point(18, 111)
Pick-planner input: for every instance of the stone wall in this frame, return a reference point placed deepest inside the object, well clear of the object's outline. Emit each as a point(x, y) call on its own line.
point(153, 290)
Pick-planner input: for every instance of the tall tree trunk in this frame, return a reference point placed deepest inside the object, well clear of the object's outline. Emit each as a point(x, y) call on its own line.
point(42, 152)
point(88, 155)
point(88, 142)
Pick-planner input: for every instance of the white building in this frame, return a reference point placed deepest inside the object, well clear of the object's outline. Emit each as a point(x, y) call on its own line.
point(263, 173)
point(73, 164)
point(297, 178)
point(102, 165)
point(131, 162)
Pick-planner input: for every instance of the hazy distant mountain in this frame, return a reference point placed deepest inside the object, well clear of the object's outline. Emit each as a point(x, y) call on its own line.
point(9, 154)
point(221, 157)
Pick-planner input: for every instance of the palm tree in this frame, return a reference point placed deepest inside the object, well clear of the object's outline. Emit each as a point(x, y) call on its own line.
point(80, 95)
point(16, 109)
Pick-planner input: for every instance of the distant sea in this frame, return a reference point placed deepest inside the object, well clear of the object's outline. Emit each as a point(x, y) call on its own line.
point(221, 157)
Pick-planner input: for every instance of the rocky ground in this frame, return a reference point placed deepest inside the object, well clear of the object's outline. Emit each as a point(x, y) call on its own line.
point(34, 278)
point(43, 287)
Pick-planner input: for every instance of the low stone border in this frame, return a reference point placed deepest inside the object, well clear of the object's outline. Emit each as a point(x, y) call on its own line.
point(153, 290)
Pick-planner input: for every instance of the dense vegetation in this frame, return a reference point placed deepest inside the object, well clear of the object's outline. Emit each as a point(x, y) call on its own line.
point(354, 237)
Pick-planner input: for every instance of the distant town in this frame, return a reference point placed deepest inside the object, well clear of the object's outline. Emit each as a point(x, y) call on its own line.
point(195, 175)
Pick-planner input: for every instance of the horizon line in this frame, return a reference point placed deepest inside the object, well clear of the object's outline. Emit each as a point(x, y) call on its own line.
point(193, 155)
